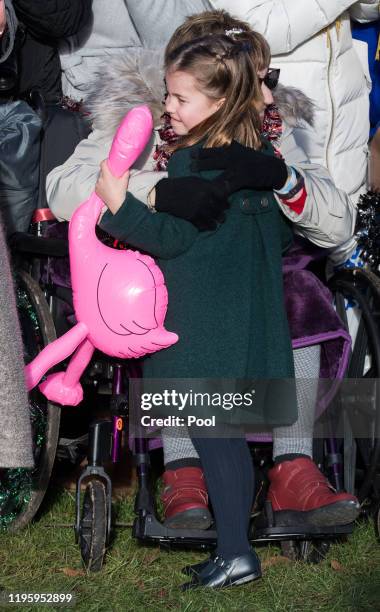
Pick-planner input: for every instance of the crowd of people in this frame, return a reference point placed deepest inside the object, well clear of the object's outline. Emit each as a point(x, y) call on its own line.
point(259, 153)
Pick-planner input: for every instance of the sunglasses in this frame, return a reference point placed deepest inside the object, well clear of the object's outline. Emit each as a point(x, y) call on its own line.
point(271, 78)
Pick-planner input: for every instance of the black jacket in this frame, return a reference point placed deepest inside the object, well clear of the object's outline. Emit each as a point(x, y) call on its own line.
point(46, 22)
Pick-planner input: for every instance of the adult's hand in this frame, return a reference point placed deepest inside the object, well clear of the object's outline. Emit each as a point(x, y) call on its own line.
point(195, 199)
point(244, 167)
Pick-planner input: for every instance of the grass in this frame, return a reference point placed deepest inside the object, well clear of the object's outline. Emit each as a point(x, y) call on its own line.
point(45, 558)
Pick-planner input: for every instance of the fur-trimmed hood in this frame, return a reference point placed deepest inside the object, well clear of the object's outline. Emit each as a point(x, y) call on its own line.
point(124, 81)
point(137, 78)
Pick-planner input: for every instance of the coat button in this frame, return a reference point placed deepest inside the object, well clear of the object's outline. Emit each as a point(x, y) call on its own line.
point(264, 202)
point(246, 205)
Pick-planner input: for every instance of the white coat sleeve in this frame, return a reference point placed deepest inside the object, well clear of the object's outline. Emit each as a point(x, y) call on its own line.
point(285, 23)
point(329, 215)
point(365, 12)
point(70, 184)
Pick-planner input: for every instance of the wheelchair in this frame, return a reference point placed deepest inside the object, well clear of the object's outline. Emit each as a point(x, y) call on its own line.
point(349, 462)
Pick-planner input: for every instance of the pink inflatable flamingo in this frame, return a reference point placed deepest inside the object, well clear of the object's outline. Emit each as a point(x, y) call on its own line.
point(119, 297)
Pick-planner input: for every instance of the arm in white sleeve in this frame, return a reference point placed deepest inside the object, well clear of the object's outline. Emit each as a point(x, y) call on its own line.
point(285, 23)
point(70, 184)
point(328, 217)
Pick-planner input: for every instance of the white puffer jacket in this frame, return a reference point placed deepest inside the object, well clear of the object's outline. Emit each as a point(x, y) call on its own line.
point(312, 44)
point(113, 31)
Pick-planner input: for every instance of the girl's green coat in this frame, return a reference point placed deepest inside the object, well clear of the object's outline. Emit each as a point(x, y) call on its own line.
point(225, 287)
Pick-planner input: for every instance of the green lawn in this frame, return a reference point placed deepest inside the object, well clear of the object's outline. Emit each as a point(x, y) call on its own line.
point(45, 558)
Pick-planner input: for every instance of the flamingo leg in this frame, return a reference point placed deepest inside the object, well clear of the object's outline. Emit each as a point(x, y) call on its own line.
point(78, 363)
point(64, 387)
point(53, 353)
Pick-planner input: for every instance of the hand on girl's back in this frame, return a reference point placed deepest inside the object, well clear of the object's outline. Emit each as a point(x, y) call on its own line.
point(245, 168)
point(110, 189)
point(200, 201)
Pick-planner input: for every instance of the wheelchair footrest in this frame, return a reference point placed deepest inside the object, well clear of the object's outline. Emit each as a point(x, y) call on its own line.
point(275, 525)
point(309, 532)
point(147, 528)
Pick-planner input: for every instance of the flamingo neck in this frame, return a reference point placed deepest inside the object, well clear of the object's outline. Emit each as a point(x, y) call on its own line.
point(82, 226)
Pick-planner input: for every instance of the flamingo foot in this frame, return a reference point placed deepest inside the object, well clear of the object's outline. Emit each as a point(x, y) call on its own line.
point(56, 391)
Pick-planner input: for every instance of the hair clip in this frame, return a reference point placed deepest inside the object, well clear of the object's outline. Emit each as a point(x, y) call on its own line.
point(233, 31)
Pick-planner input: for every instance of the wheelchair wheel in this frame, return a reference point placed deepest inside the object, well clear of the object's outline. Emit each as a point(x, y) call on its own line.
point(93, 526)
point(22, 490)
point(309, 551)
point(362, 454)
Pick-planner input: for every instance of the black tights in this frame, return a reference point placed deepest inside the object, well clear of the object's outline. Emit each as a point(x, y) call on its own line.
point(228, 469)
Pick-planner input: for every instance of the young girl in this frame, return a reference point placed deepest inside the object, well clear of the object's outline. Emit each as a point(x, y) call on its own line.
point(298, 492)
point(225, 286)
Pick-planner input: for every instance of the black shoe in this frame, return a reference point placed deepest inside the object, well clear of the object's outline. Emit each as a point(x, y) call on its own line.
point(196, 568)
point(221, 572)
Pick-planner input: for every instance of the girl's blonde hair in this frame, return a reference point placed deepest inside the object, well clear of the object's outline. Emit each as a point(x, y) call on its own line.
point(222, 68)
point(220, 22)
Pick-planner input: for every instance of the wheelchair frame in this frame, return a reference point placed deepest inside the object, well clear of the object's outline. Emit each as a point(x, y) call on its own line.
point(295, 541)
point(364, 287)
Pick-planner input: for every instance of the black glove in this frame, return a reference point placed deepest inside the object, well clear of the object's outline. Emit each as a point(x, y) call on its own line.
point(244, 168)
point(193, 198)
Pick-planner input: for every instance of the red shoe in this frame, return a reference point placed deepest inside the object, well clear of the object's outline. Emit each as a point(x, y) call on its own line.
point(185, 499)
point(300, 493)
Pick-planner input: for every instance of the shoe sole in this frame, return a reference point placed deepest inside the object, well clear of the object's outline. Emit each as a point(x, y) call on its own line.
point(243, 580)
point(333, 515)
point(249, 578)
point(195, 518)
